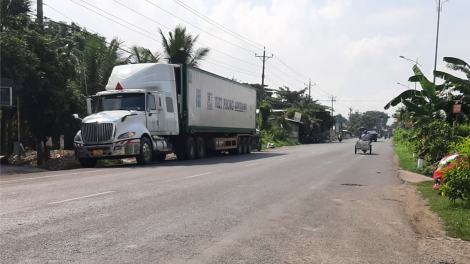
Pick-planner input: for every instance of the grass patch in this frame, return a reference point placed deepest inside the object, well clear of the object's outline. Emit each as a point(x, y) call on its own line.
point(278, 143)
point(407, 162)
point(456, 216)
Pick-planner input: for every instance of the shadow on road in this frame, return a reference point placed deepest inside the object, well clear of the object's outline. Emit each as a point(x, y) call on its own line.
point(210, 160)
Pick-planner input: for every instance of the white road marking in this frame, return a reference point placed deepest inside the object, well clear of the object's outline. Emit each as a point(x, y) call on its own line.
point(82, 197)
point(198, 175)
point(51, 176)
point(251, 164)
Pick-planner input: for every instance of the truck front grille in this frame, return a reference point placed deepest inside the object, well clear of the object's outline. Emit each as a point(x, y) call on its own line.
point(97, 132)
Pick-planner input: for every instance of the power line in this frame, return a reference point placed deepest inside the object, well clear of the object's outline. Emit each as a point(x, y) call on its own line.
point(84, 32)
point(200, 28)
point(301, 75)
point(143, 15)
point(118, 22)
point(247, 73)
point(286, 73)
point(234, 34)
point(198, 41)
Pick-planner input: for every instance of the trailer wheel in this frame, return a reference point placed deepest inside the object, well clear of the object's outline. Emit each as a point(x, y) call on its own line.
point(239, 149)
point(200, 148)
point(88, 163)
point(189, 150)
point(145, 155)
point(248, 145)
point(244, 145)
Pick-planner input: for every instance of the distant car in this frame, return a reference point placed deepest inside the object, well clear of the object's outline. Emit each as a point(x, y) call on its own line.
point(444, 165)
point(373, 135)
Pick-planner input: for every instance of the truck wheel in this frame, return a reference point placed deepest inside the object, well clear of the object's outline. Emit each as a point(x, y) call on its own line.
point(158, 157)
point(260, 147)
point(145, 156)
point(370, 150)
point(245, 145)
point(189, 148)
point(248, 144)
point(200, 148)
point(355, 150)
point(88, 163)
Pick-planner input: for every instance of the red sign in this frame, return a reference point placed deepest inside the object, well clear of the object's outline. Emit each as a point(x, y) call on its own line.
point(457, 108)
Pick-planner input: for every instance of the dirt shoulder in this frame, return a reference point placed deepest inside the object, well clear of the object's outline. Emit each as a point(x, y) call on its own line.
point(432, 239)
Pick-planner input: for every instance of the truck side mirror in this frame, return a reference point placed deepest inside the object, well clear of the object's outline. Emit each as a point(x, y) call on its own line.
point(76, 117)
point(88, 106)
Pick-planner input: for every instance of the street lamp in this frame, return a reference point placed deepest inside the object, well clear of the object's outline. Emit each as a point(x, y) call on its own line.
point(412, 61)
point(407, 86)
point(439, 9)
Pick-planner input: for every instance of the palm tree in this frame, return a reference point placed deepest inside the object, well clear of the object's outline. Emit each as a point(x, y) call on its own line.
point(143, 55)
point(179, 47)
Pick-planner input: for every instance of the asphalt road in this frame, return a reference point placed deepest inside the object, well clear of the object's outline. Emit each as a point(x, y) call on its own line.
point(316, 203)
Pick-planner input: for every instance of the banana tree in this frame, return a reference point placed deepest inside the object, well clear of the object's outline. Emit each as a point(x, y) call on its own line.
point(459, 89)
point(425, 104)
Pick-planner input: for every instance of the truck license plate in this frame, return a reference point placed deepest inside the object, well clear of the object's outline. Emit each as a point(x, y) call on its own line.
point(97, 152)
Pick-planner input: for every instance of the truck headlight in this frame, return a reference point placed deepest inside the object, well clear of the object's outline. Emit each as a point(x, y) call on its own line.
point(77, 138)
point(126, 135)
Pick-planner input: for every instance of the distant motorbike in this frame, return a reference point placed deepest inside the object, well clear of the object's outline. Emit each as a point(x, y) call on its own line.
point(386, 136)
point(340, 139)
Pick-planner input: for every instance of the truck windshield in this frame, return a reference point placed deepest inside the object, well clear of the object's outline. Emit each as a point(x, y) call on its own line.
point(121, 102)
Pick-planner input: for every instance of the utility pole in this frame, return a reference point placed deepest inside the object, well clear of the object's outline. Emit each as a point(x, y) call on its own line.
point(40, 14)
point(264, 59)
point(333, 99)
point(439, 9)
point(309, 87)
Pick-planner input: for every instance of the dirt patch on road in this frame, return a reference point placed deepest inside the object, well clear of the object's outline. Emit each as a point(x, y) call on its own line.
point(432, 240)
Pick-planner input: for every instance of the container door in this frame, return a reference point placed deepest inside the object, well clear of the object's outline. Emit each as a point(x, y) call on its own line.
point(152, 113)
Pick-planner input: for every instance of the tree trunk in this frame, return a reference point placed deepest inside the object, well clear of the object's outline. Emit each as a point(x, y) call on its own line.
point(47, 153)
point(40, 152)
point(9, 134)
point(3, 140)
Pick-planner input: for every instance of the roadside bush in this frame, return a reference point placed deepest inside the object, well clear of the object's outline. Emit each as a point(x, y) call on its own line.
point(278, 133)
point(462, 131)
point(457, 178)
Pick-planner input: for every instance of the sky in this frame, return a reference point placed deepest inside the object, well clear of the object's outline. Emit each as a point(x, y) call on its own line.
point(349, 49)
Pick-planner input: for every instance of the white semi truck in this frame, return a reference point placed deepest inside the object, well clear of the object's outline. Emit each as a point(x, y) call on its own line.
point(150, 110)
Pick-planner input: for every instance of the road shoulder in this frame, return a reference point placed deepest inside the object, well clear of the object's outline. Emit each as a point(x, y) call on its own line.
point(431, 234)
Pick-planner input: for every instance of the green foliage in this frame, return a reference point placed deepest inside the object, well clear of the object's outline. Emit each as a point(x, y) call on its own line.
point(179, 47)
point(264, 112)
point(456, 215)
point(433, 141)
point(278, 134)
point(458, 177)
point(462, 131)
point(278, 143)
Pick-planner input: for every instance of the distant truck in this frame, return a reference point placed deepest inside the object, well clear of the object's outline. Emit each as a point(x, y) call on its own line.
point(150, 110)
